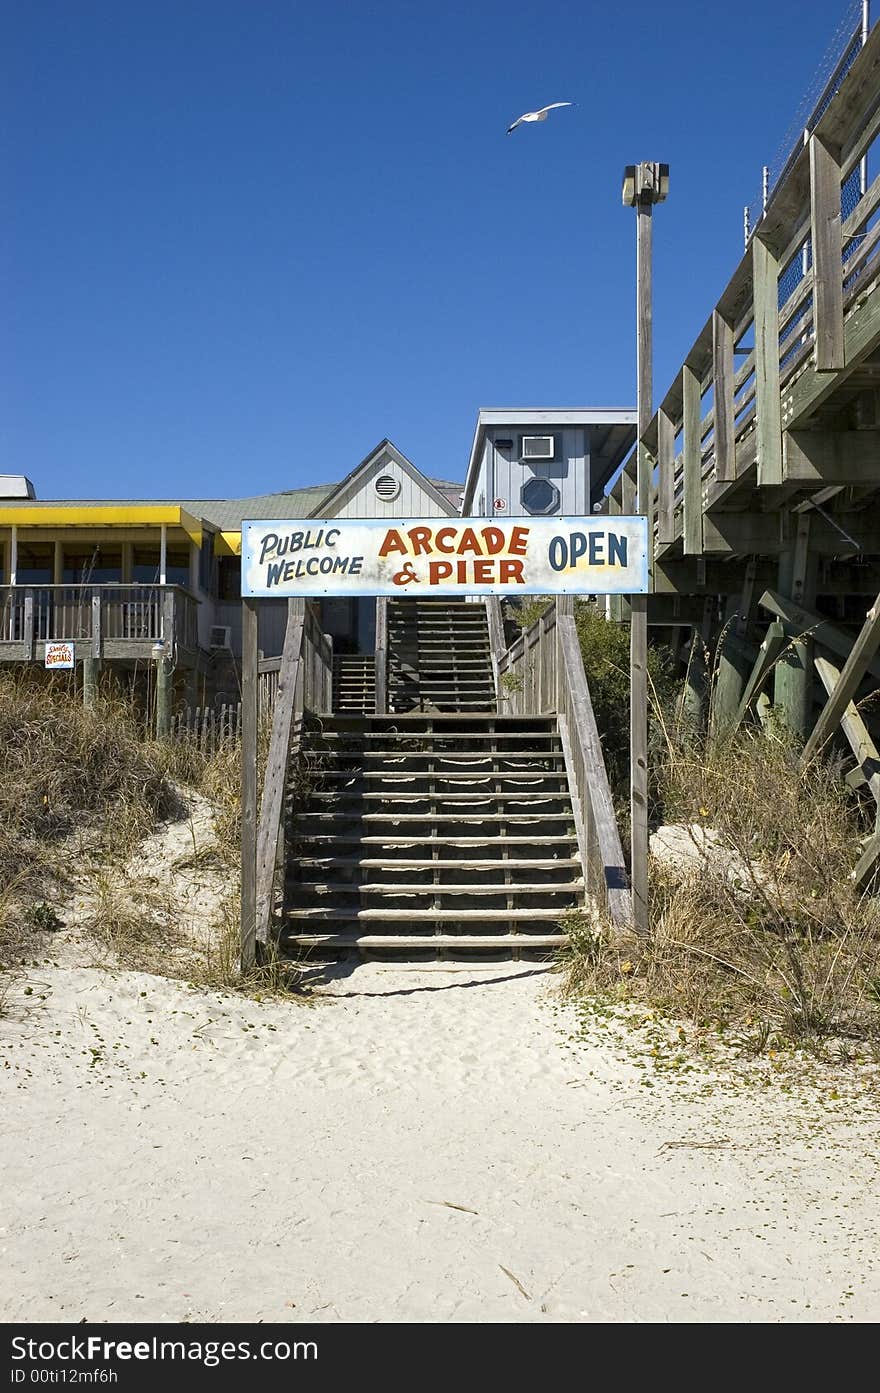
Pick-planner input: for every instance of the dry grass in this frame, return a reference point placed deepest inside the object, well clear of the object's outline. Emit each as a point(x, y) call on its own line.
point(71, 777)
point(784, 947)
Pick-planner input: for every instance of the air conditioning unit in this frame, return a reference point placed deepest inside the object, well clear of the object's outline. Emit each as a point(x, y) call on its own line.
point(221, 636)
point(538, 447)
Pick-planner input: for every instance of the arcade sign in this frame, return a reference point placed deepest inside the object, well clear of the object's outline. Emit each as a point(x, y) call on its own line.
point(283, 558)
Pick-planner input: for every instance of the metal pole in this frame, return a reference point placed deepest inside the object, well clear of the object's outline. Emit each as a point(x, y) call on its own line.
point(639, 603)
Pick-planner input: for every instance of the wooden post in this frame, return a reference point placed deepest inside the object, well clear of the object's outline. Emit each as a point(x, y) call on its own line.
point(693, 464)
point(28, 634)
point(732, 668)
point(864, 648)
point(90, 682)
point(827, 256)
point(692, 705)
point(381, 651)
point(793, 692)
point(249, 659)
point(666, 479)
point(644, 351)
point(768, 422)
point(638, 649)
point(722, 394)
point(773, 644)
point(164, 688)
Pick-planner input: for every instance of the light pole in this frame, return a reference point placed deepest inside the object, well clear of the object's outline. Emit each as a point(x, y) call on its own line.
point(643, 185)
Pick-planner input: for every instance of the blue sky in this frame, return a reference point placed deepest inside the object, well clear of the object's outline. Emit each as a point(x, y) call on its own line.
point(244, 241)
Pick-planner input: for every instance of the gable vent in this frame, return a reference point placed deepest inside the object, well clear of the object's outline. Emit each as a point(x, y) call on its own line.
point(387, 487)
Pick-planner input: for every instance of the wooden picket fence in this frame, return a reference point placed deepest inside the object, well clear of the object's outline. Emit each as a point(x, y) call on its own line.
point(207, 727)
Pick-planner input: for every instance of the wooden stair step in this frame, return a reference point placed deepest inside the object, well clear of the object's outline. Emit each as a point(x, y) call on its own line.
point(379, 887)
point(427, 942)
point(460, 818)
point(341, 836)
point(376, 863)
point(457, 915)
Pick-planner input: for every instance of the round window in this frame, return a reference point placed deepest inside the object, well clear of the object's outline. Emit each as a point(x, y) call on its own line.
point(539, 496)
point(387, 487)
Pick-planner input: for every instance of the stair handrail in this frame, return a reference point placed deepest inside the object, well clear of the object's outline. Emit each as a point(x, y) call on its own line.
point(598, 834)
point(541, 673)
point(495, 621)
point(381, 662)
point(286, 725)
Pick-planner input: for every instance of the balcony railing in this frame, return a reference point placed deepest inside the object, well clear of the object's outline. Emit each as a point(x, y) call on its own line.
point(110, 620)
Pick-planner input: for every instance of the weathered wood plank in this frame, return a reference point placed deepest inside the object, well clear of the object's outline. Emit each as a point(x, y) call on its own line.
point(822, 630)
point(584, 736)
point(827, 256)
point(856, 666)
point(850, 457)
point(381, 651)
point(854, 729)
point(722, 392)
point(275, 778)
point(666, 479)
point(765, 270)
point(773, 644)
point(249, 659)
point(868, 864)
point(692, 502)
point(638, 726)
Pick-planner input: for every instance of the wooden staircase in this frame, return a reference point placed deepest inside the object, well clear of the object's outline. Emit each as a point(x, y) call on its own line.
point(354, 682)
point(430, 835)
point(438, 656)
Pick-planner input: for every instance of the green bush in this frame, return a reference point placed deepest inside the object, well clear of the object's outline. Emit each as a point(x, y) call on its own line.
point(605, 651)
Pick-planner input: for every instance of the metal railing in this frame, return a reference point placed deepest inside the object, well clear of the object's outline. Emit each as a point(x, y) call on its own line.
point(542, 673)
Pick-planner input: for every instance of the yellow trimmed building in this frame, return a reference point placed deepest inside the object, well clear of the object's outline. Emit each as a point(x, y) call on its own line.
point(130, 582)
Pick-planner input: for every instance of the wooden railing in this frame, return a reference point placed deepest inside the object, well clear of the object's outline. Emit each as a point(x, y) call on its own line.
point(795, 303)
point(527, 670)
point(495, 622)
point(381, 652)
point(305, 683)
point(106, 618)
point(543, 672)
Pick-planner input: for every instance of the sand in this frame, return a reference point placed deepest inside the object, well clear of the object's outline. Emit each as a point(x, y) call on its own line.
point(426, 1145)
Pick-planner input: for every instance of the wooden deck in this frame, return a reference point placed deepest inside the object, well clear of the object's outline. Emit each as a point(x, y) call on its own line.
point(104, 621)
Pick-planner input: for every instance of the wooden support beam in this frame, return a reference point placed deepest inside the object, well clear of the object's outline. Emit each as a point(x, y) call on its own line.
point(822, 630)
point(827, 256)
point(722, 393)
point(765, 272)
point(692, 702)
point(854, 729)
point(856, 666)
point(847, 457)
point(774, 642)
point(693, 465)
point(766, 534)
point(164, 692)
point(666, 479)
point(793, 691)
point(732, 666)
point(249, 659)
point(868, 864)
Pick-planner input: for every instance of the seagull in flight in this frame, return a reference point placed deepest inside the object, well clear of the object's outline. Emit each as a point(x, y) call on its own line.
point(536, 115)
